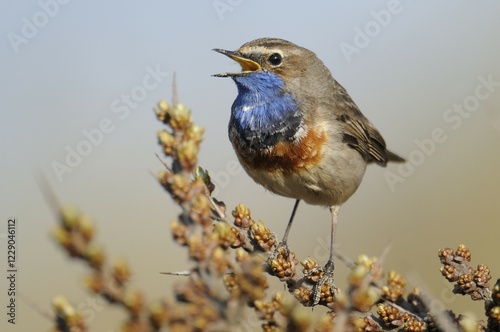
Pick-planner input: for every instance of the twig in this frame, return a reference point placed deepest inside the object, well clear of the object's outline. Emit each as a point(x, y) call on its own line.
point(175, 96)
point(221, 215)
point(163, 163)
point(185, 273)
point(440, 317)
point(47, 191)
point(38, 308)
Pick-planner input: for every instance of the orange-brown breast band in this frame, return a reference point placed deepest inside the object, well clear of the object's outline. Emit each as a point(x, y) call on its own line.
point(289, 156)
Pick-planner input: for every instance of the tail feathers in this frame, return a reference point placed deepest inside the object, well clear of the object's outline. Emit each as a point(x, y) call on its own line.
point(394, 157)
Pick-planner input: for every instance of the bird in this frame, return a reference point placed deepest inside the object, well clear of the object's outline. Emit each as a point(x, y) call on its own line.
point(297, 132)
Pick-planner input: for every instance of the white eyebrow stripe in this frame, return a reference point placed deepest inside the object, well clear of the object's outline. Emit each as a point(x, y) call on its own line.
point(259, 49)
point(262, 50)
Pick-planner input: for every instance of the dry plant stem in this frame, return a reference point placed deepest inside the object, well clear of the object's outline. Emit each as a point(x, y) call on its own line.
point(35, 306)
point(180, 273)
point(220, 215)
point(167, 166)
point(230, 262)
point(468, 281)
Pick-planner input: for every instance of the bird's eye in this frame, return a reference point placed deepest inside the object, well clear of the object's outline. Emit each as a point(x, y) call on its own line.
point(275, 59)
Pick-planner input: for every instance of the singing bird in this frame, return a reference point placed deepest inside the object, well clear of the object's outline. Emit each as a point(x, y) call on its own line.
point(295, 129)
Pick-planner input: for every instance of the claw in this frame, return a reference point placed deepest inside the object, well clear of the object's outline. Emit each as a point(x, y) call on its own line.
point(282, 262)
point(324, 287)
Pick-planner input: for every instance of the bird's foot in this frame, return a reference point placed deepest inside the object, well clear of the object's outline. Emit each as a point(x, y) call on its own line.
point(281, 249)
point(324, 290)
point(281, 263)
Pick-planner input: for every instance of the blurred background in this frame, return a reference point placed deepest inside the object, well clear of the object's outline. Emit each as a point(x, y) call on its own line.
point(79, 81)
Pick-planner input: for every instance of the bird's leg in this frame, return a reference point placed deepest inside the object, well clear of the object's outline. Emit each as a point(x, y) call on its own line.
point(282, 249)
point(289, 226)
point(327, 277)
point(334, 210)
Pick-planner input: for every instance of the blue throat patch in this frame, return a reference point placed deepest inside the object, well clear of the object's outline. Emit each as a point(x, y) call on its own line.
point(263, 114)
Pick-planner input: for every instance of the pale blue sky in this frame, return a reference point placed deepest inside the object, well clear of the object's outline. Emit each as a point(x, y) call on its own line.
point(72, 72)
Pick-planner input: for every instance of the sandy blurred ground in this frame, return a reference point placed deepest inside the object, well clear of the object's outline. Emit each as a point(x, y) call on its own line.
point(410, 77)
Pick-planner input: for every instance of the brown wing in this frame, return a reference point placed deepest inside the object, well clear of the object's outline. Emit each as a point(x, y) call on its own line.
point(363, 137)
point(358, 132)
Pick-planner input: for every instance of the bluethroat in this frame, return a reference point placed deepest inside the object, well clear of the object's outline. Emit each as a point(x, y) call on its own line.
point(297, 132)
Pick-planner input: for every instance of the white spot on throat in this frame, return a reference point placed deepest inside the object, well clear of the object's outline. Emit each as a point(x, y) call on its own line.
point(300, 133)
point(247, 107)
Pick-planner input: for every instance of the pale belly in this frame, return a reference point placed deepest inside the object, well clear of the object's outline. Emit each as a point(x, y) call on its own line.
point(330, 182)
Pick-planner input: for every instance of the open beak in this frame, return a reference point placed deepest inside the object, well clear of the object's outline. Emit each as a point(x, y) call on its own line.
point(247, 65)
